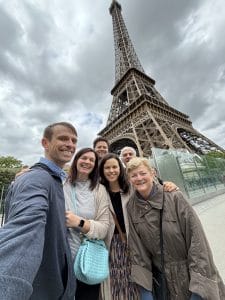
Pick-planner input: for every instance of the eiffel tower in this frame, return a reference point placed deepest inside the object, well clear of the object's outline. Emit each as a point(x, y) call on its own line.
point(139, 116)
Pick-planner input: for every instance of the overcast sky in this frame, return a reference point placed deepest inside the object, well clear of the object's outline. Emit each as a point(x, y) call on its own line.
point(57, 64)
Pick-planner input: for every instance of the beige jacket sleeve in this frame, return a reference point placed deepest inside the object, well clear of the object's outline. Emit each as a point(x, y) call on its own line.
point(100, 225)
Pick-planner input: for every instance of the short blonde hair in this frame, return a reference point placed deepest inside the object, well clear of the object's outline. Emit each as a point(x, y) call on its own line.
point(135, 162)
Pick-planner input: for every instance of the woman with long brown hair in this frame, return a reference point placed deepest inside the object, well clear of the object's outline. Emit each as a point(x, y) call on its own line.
point(87, 209)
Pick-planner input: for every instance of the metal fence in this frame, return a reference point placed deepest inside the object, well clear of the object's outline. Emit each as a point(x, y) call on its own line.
point(196, 176)
point(2, 197)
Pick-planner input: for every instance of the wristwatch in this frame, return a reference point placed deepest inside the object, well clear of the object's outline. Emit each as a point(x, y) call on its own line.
point(81, 224)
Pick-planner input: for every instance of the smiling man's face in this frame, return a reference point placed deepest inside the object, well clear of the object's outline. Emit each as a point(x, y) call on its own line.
point(62, 145)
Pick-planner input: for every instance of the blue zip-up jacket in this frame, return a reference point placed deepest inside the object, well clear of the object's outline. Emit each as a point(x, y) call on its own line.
point(35, 258)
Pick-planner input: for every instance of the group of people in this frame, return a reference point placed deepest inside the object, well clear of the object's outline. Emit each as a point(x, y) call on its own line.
point(107, 197)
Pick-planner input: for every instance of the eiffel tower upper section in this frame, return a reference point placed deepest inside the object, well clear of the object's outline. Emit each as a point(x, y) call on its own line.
point(125, 55)
point(139, 115)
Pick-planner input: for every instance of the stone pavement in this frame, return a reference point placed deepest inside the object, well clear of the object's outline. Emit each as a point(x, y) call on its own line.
point(212, 215)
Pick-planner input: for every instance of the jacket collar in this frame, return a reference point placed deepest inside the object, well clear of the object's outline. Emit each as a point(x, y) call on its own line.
point(155, 198)
point(54, 168)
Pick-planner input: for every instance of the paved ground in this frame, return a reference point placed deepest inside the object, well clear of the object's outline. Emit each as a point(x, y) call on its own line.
point(212, 215)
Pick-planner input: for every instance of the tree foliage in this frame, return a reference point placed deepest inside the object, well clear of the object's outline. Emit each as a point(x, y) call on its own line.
point(215, 160)
point(216, 154)
point(9, 166)
point(10, 162)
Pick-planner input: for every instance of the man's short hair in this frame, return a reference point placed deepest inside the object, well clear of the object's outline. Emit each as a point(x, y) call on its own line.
point(48, 132)
point(100, 139)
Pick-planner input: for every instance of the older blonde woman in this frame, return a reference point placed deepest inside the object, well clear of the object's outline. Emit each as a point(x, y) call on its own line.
point(187, 259)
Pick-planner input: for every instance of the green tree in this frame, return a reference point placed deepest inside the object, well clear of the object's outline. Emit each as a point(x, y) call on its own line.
point(216, 154)
point(9, 166)
point(215, 163)
point(10, 162)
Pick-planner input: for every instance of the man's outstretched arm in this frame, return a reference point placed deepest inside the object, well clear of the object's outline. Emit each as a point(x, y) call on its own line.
point(22, 238)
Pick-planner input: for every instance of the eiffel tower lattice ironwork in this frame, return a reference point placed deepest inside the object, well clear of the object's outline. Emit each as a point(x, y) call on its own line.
point(139, 116)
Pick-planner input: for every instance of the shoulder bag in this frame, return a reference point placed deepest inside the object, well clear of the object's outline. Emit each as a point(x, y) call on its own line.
point(121, 234)
point(160, 289)
point(91, 264)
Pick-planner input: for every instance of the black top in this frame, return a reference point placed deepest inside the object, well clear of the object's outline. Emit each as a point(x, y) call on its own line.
point(117, 206)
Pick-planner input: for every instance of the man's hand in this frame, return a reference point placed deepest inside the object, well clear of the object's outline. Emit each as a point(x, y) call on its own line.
point(169, 186)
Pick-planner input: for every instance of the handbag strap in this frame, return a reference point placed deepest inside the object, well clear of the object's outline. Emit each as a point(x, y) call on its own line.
point(122, 236)
point(2, 208)
point(164, 284)
point(161, 236)
point(73, 198)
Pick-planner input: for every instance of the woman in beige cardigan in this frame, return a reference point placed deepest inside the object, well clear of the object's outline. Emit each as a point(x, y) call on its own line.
point(87, 209)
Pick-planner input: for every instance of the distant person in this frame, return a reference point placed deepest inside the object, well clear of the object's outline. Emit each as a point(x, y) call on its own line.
point(179, 250)
point(101, 146)
point(127, 153)
point(87, 210)
point(23, 169)
point(35, 258)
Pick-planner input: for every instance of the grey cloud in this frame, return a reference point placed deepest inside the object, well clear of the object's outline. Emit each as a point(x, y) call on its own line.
point(10, 31)
point(57, 63)
point(41, 24)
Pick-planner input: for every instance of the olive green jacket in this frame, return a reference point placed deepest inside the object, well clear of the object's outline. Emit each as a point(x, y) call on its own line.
point(189, 265)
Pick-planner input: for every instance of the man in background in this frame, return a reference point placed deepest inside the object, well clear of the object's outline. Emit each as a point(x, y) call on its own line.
point(101, 147)
point(126, 154)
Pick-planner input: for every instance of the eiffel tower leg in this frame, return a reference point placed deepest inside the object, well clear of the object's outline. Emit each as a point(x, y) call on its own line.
point(166, 140)
point(137, 140)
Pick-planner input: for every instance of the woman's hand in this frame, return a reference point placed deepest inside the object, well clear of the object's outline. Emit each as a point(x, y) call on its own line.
point(169, 186)
point(72, 220)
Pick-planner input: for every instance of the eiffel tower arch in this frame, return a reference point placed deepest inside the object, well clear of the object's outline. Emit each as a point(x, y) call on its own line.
point(119, 143)
point(139, 116)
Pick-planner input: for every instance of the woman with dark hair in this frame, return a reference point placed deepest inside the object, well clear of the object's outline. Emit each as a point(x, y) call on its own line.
point(113, 177)
point(87, 209)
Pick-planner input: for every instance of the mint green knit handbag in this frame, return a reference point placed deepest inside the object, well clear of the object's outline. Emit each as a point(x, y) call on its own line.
point(91, 264)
